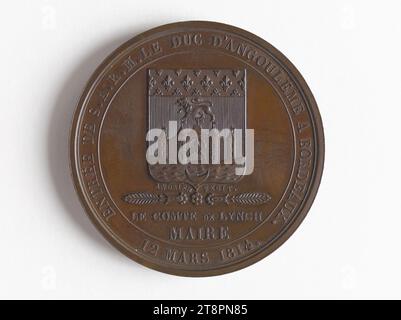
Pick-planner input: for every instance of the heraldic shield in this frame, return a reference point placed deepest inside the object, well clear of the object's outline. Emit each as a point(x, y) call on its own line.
point(196, 99)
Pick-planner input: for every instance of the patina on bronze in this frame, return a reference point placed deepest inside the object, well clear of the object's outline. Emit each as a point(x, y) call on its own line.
point(196, 219)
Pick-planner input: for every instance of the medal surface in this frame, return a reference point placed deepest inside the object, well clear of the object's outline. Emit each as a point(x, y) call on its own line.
point(197, 148)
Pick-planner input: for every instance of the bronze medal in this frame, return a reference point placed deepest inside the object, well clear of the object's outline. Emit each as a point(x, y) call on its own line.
point(197, 148)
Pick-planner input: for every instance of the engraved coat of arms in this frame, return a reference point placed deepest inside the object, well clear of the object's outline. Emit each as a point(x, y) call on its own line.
point(196, 99)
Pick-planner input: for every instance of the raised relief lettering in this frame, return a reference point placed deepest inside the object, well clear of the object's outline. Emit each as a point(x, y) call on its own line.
point(299, 187)
point(186, 257)
point(239, 249)
point(150, 247)
point(199, 233)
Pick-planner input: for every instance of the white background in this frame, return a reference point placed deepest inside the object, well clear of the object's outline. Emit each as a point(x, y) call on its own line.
point(348, 246)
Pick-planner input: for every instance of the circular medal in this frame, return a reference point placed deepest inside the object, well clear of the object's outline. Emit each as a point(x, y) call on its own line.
point(197, 148)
